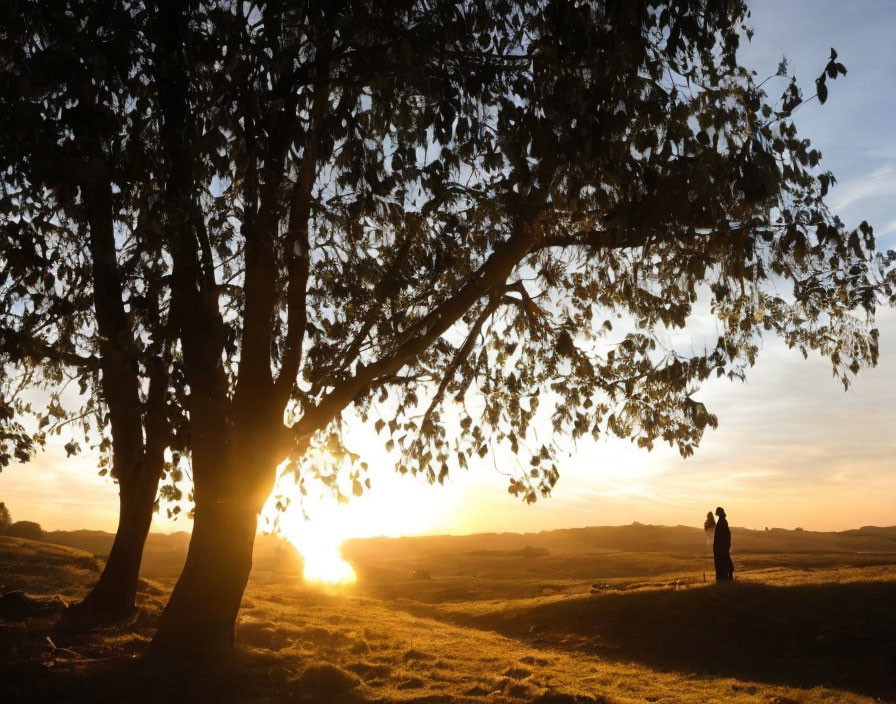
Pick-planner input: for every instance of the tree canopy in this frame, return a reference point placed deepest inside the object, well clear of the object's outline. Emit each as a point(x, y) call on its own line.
point(389, 156)
point(470, 224)
point(5, 518)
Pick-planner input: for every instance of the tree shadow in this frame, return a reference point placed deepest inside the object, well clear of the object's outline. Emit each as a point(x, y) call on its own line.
point(94, 667)
point(836, 635)
point(242, 678)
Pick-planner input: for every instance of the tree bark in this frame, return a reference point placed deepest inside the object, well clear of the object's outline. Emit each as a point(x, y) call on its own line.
point(114, 596)
point(200, 616)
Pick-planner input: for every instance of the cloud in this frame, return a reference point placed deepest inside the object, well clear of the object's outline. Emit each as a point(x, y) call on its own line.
point(880, 183)
point(60, 493)
point(888, 228)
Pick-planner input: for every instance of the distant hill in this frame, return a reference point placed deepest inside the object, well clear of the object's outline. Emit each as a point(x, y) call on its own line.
point(36, 567)
point(165, 553)
point(633, 538)
point(100, 542)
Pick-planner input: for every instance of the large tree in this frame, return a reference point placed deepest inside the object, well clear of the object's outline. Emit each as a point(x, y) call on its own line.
point(82, 291)
point(470, 224)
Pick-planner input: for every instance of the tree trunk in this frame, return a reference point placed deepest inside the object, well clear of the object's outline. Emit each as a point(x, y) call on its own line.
point(113, 598)
point(116, 591)
point(200, 616)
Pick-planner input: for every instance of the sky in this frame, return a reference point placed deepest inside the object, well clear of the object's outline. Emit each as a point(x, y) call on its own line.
point(792, 448)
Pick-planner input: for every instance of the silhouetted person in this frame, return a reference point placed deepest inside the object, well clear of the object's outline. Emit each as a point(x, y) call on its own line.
point(721, 545)
point(709, 525)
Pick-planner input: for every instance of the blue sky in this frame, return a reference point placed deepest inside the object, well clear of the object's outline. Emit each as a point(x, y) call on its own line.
point(792, 448)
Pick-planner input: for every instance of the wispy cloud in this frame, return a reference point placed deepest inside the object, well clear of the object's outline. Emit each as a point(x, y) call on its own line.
point(888, 228)
point(880, 183)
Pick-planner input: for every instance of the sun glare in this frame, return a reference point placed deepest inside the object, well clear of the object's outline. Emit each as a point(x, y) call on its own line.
point(318, 541)
point(324, 563)
point(394, 506)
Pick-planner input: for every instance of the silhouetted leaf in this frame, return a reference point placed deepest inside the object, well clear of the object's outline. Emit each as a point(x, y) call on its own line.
point(822, 90)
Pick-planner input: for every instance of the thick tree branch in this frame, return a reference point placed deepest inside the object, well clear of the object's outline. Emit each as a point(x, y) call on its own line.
point(116, 339)
point(299, 248)
point(155, 413)
point(353, 349)
point(198, 317)
point(499, 265)
point(458, 359)
point(260, 229)
point(14, 344)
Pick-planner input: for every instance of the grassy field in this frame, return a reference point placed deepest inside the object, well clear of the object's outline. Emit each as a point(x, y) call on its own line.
point(596, 615)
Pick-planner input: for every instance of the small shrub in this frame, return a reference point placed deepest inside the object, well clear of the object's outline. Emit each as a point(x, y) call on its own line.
point(25, 529)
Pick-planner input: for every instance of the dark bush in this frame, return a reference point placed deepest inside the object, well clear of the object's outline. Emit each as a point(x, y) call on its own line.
point(25, 529)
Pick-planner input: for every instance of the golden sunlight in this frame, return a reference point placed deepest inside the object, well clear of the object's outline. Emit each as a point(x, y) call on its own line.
point(394, 506)
point(323, 560)
point(318, 540)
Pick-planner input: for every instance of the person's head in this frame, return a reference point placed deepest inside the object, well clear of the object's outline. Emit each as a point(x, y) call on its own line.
point(720, 512)
point(709, 515)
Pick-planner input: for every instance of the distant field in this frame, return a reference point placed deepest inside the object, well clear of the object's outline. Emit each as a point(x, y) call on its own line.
point(592, 615)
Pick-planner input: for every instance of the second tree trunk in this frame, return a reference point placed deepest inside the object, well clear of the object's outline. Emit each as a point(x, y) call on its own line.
point(200, 617)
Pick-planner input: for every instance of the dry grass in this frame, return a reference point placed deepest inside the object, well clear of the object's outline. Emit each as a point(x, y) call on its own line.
point(526, 629)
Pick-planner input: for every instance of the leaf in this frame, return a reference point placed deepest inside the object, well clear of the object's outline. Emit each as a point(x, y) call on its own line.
point(782, 67)
point(821, 89)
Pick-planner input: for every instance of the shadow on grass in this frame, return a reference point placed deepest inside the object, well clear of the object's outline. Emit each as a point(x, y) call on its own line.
point(42, 665)
point(836, 635)
point(243, 678)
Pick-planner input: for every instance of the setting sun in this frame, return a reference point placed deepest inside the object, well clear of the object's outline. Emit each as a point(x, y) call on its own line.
point(318, 541)
point(393, 506)
point(323, 561)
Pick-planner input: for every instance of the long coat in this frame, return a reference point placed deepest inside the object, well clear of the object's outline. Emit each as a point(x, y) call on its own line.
point(721, 545)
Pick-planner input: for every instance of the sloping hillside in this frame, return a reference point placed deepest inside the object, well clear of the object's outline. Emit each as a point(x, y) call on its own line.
point(165, 553)
point(820, 637)
point(635, 537)
point(37, 567)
